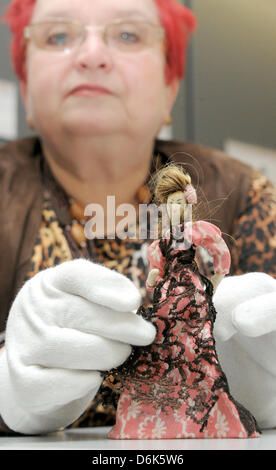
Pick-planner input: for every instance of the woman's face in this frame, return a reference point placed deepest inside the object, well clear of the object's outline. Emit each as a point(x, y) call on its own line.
point(138, 102)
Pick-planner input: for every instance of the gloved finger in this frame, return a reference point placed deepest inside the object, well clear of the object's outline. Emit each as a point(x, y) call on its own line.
point(257, 316)
point(95, 283)
point(223, 328)
point(72, 311)
point(237, 289)
point(39, 389)
point(70, 349)
point(126, 327)
point(232, 292)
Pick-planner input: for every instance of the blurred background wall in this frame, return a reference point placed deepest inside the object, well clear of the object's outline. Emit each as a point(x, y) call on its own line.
point(231, 75)
point(228, 98)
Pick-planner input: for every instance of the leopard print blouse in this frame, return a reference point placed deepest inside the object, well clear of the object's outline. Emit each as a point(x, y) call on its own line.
point(255, 230)
point(254, 250)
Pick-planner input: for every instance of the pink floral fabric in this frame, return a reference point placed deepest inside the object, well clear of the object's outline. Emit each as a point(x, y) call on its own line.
point(208, 236)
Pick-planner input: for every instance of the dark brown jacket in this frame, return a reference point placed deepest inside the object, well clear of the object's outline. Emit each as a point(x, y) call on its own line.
point(217, 175)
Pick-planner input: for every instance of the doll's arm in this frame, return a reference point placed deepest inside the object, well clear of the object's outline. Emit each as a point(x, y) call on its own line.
point(157, 262)
point(216, 279)
point(152, 278)
point(208, 236)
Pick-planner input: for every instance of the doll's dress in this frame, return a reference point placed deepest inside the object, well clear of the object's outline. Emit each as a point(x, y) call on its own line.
point(176, 387)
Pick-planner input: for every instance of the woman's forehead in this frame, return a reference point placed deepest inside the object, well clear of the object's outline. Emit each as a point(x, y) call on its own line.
point(97, 10)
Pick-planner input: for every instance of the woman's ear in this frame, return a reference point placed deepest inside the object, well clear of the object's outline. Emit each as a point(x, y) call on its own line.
point(24, 96)
point(23, 91)
point(172, 92)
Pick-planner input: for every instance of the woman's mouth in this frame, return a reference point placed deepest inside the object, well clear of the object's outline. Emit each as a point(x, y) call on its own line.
point(89, 90)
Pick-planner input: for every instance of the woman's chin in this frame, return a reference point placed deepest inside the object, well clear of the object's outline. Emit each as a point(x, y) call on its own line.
point(87, 119)
point(88, 127)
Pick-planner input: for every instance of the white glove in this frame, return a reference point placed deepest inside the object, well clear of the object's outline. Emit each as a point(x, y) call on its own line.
point(66, 324)
point(245, 333)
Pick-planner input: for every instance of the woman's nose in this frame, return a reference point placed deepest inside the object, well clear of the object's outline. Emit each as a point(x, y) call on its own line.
point(94, 54)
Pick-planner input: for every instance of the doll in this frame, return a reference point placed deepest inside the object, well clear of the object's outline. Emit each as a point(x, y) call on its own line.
point(175, 388)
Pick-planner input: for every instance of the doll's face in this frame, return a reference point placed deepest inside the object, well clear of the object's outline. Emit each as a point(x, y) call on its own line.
point(175, 207)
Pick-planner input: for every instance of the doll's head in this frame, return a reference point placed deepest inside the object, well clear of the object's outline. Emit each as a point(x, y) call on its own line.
point(173, 187)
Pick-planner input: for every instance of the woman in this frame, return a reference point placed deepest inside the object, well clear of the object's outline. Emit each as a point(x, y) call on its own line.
point(97, 96)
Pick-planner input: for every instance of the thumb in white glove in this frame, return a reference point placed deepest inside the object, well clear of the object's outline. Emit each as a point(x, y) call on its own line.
point(66, 324)
point(234, 299)
point(245, 332)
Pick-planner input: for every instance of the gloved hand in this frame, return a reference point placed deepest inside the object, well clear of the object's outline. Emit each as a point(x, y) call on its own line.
point(245, 333)
point(66, 324)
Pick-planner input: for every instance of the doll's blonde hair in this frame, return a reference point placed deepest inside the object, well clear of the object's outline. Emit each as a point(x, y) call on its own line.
point(170, 179)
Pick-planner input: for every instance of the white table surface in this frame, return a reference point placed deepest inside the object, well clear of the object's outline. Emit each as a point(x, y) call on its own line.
point(96, 439)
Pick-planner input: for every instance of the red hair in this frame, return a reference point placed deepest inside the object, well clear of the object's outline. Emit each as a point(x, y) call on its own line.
point(179, 22)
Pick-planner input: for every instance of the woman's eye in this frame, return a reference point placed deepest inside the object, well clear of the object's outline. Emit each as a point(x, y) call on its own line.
point(129, 37)
point(57, 39)
point(129, 33)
